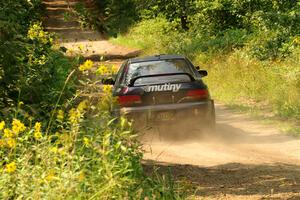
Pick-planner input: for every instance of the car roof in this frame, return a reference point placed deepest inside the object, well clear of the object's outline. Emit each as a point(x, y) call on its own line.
point(156, 58)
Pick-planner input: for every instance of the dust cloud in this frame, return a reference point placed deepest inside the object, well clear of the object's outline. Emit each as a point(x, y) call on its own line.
point(237, 139)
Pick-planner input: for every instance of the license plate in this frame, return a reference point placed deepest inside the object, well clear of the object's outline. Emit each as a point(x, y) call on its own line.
point(165, 116)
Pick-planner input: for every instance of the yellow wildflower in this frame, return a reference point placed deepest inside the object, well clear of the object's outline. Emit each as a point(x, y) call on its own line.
point(88, 64)
point(81, 47)
point(37, 127)
point(107, 88)
point(114, 69)
point(37, 135)
point(102, 70)
point(8, 133)
point(82, 67)
point(54, 150)
point(81, 176)
point(50, 176)
point(74, 116)
point(36, 32)
point(82, 106)
point(18, 126)
point(11, 143)
point(11, 167)
point(296, 40)
point(37, 130)
point(2, 125)
point(86, 141)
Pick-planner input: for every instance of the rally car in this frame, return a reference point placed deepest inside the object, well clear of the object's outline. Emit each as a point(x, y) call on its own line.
point(164, 89)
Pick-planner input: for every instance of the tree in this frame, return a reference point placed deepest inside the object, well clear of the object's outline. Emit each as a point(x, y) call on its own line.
point(174, 10)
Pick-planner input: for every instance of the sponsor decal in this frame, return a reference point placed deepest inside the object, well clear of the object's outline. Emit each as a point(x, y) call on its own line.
point(165, 87)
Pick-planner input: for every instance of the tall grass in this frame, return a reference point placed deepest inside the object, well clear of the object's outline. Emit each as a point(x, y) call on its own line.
point(239, 79)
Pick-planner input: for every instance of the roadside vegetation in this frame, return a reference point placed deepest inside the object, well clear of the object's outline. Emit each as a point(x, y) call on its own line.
point(31, 71)
point(56, 143)
point(250, 48)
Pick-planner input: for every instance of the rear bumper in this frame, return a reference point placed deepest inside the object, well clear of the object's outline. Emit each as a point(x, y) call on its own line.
point(199, 111)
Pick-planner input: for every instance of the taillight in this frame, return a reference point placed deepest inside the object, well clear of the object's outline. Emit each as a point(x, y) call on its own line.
point(198, 94)
point(127, 100)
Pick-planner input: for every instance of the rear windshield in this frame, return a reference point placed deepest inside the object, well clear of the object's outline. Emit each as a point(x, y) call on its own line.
point(158, 67)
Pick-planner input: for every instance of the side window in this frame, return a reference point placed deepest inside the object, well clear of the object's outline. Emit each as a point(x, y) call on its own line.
point(120, 76)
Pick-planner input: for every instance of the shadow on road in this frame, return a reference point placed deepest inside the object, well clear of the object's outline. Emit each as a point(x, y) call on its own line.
point(234, 179)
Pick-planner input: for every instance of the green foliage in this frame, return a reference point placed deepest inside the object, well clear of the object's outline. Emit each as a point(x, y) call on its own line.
point(179, 11)
point(116, 16)
point(152, 34)
point(15, 18)
point(30, 70)
point(267, 28)
point(160, 35)
point(84, 15)
point(271, 24)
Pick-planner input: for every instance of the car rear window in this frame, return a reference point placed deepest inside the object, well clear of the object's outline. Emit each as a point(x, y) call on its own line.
point(158, 67)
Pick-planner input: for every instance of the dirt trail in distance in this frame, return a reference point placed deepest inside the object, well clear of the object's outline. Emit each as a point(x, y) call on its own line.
point(77, 40)
point(244, 159)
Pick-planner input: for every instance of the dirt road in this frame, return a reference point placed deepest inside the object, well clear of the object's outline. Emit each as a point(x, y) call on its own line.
point(77, 40)
point(244, 159)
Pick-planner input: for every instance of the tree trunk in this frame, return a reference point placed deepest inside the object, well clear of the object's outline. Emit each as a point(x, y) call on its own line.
point(184, 23)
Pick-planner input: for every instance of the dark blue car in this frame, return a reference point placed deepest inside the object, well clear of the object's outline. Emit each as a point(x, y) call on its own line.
point(164, 89)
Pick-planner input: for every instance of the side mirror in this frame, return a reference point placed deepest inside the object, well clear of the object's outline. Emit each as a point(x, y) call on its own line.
point(203, 73)
point(108, 81)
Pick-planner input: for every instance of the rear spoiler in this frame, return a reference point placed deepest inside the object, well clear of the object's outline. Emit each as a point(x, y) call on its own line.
point(132, 81)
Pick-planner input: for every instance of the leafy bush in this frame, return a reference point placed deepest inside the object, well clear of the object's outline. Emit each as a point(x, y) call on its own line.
point(154, 34)
point(176, 11)
point(15, 18)
point(116, 16)
point(31, 71)
point(84, 16)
